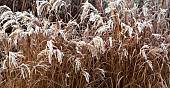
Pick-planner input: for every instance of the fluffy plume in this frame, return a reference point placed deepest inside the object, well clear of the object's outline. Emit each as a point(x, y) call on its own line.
point(13, 56)
point(86, 75)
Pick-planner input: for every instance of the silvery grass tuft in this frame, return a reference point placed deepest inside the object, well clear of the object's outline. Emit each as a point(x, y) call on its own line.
point(107, 44)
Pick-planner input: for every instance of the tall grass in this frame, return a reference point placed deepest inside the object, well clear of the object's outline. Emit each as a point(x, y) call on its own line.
point(125, 46)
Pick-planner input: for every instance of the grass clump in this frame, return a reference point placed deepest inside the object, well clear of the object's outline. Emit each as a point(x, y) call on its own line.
point(118, 46)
